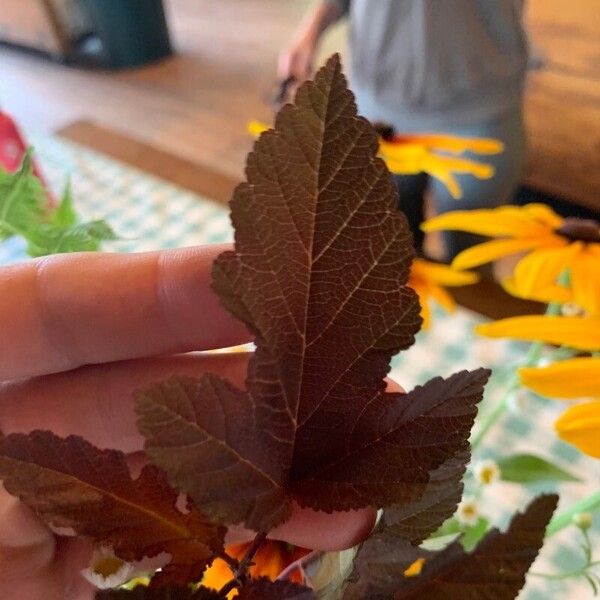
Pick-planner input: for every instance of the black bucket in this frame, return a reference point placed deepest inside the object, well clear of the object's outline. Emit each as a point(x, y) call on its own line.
point(132, 32)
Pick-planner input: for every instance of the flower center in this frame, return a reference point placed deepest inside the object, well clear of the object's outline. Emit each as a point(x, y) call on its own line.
point(107, 566)
point(580, 230)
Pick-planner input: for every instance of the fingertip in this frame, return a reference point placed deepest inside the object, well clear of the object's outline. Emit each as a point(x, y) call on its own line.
point(330, 532)
point(189, 304)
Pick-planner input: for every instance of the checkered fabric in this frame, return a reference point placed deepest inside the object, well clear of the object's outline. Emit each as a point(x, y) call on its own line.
point(151, 214)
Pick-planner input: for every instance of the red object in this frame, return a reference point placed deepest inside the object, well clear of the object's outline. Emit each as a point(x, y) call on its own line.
point(13, 147)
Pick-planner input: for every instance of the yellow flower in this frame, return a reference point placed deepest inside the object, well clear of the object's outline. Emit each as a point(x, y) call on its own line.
point(572, 379)
point(420, 153)
point(427, 279)
point(582, 333)
point(270, 560)
point(412, 154)
point(555, 245)
point(580, 426)
point(569, 379)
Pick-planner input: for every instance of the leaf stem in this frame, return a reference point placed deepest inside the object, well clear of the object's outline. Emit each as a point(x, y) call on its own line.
point(583, 571)
point(240, 575)
point(232, 563)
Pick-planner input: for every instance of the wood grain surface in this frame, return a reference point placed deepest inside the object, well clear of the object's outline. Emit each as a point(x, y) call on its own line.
point(196, 104)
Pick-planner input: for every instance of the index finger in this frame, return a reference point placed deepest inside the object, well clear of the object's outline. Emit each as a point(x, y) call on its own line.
point(62, 312)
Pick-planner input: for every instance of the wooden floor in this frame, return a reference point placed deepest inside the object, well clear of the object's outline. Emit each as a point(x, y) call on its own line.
point(196, 105)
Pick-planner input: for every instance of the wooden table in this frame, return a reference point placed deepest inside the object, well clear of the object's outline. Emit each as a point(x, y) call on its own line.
point(562, 105)
point(485, 297)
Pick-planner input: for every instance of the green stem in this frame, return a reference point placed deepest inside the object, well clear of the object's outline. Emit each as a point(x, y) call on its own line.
point(559, 576)
point(565, 517)
point(533, 356)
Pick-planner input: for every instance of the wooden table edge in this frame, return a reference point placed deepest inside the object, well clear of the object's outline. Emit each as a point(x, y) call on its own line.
point(145, 157)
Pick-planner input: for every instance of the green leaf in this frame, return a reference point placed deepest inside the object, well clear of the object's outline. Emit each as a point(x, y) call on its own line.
point(474, 534)
point(439, 542)
point(528, 468)
point(65, 216)
point(85, 237)
point(449, 527)
point(23, 201)
point(23, 212)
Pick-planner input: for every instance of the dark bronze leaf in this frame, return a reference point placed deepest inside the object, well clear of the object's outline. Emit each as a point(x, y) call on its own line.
point(70, 483)
point(319, 275)
point(144, 593)
point(495, 570)
point(264, 589)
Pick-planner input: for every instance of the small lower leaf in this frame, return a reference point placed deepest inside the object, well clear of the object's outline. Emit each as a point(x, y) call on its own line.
point(416, 521)
point(145, 593)
point(528, 468)
point(495, 569)
point(70, 483)
point(264, 589)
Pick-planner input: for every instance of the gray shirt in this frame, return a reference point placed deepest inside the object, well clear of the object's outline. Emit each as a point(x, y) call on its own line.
point(419, 64)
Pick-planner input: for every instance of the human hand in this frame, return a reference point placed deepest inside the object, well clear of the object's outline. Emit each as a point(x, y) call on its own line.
point(296, 63)
point(78, 334)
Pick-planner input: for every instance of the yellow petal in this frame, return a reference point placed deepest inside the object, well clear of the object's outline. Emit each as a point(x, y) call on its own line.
point(580, 426)
point(504, 221)
point(553, 293)
point(442, 297)
point(451, 143)
point(255, 128)
point(544, 214)
point(407, 166)
point(425, 312)
point(570, 379)
point(582, 333)
point(415, 569)
point(449, 181)
point(542, 268)
point(460, 165)
point(421, 289)
point(217, 575)
point(442, 274)
point(585, 280)
point(486, 252)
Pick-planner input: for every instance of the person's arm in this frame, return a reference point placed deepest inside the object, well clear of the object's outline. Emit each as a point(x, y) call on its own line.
point(296, 59)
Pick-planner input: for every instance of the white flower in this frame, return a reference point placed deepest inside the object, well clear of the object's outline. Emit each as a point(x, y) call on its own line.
point(487, 471)
point(583, 520)
point(468, 512)
point(106, 570)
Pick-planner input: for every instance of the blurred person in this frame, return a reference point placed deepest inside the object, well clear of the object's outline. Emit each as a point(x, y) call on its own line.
point(420, 66)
